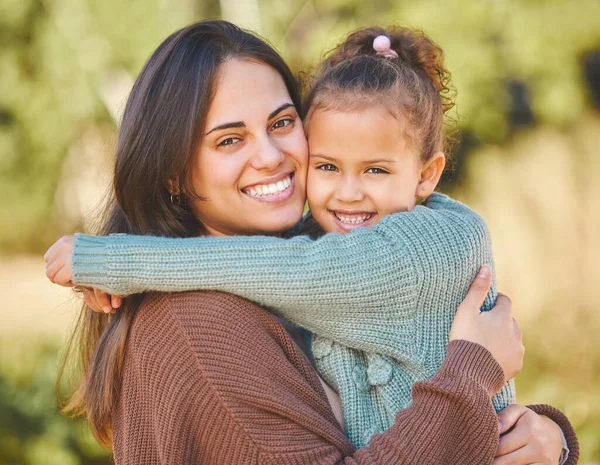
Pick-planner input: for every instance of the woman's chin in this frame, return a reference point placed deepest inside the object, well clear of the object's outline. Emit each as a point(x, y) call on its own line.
point(280, 224)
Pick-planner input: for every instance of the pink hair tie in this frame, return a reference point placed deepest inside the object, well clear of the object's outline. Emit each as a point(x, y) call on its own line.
point(383, 47)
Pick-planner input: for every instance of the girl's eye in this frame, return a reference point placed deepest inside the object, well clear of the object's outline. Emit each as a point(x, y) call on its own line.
point(228, 141)
point(282, 123)
point(327, 167)
point(377, 171)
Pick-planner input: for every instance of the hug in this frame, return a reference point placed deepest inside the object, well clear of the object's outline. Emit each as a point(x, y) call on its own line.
point(367, 331)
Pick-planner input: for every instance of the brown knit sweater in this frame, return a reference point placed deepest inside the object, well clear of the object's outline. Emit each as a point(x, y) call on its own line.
point(211, 378)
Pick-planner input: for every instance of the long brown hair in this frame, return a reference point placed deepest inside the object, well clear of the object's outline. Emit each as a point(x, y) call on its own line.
point(160, 132)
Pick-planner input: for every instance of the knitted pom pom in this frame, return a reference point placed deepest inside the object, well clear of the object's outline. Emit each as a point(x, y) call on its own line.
point(382, 43)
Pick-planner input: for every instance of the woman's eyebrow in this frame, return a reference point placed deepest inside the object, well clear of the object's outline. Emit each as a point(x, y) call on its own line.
point(241, 124)
point(280, 109)
point(237, 124)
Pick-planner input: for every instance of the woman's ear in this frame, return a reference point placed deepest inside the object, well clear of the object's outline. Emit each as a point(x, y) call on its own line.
point(174, 188)
point(430, 174)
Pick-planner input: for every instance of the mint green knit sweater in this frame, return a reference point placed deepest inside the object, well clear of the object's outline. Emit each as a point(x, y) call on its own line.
point(380, 301)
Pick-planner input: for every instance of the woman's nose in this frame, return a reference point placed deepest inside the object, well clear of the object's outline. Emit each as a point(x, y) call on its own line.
point(268, 155)
point(349, 190)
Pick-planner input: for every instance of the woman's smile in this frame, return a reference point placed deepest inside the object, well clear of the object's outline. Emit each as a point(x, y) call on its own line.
point(276, 189)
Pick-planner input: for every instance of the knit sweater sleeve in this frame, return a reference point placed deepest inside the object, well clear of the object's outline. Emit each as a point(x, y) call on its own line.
point(330, 286)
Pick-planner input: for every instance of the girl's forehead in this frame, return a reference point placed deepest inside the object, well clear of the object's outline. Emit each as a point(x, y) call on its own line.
point(373, 127)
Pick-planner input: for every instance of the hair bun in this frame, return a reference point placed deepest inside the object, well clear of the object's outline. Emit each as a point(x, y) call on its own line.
point(412, 47)
point(383, 46)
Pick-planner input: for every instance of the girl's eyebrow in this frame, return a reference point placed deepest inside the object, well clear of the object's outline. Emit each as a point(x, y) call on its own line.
point(241, 124)
point(365, 162)
point(379, 160)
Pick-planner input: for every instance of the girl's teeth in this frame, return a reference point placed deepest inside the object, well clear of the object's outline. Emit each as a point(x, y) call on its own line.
point(270, 189)
point(353, 219)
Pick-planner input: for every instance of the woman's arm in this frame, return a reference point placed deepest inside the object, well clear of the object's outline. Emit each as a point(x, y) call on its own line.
point(221, 377)
point(325, 286)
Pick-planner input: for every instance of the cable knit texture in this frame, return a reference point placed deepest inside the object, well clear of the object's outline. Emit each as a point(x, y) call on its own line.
point(380, 301)
point(211, 378)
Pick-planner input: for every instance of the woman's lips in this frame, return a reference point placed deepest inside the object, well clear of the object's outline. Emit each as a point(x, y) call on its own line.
point(274, 191)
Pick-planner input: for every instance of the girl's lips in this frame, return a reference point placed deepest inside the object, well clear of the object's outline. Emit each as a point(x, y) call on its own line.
point(284, 194)
point(352, 220)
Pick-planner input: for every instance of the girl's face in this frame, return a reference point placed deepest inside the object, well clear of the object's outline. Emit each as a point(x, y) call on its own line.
point(250, 169)
point(361, 168)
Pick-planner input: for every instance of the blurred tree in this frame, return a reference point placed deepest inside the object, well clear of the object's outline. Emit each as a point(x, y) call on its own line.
point(514, 63)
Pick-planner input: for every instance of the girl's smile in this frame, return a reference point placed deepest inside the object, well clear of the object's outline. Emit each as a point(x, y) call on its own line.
point(349, 220)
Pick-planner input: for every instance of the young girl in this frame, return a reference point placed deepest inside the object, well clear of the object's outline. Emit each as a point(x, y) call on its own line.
point(380, 300)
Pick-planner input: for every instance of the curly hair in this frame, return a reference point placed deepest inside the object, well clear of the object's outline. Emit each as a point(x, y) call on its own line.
point(415, 87)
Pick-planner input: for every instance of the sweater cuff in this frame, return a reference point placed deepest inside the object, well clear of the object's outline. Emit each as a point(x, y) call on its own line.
point(474, 361)
point(565, 425)
point(89, 261)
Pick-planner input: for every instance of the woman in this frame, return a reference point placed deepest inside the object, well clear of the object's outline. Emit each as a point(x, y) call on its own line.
point(179, 378)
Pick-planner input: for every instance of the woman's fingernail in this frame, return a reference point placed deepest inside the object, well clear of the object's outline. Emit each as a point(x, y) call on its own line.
point(107, 309)
point(485, 271)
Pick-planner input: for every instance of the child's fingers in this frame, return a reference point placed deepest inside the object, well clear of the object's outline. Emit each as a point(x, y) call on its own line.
point(53, 250)
point(116, 301)
point(63, 277)
point(90, 299)
point(103, 300)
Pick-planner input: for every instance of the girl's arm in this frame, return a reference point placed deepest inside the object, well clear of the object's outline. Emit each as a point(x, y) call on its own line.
point(321, 285)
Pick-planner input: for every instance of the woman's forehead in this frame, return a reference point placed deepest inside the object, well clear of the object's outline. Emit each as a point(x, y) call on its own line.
point(246, 90)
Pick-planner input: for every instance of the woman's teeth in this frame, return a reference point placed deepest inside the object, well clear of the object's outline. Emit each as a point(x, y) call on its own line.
point(270, 189)
point(355, 218)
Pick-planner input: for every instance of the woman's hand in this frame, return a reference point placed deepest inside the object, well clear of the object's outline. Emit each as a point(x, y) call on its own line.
point(495, 330)
point(58, 260)
point(59, 270)
point(533, 439)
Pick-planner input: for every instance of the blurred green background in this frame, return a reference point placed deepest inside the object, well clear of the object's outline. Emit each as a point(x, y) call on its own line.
point(527, 74)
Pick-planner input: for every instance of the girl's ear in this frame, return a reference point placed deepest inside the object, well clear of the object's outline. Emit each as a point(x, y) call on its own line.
point(430, 175)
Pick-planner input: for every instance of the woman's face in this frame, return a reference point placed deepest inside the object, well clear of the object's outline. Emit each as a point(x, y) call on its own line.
point(250, 169)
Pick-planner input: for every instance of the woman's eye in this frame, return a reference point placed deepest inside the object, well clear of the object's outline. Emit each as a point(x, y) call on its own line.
point(228, 141)
point(282, 123)
point(327, 167)
point(377, 171)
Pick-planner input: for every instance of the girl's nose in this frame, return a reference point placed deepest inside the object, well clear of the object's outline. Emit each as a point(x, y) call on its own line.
point(349, 190)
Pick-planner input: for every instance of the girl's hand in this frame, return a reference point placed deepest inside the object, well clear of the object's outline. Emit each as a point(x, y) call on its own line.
point(58, 261)
point(495, 330)
point(59, 271)
point(534, 439)
point(100, 301)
